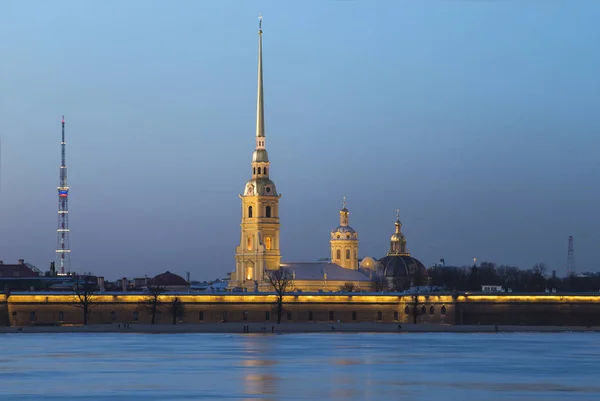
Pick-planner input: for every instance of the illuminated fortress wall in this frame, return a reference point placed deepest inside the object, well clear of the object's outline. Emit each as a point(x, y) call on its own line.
point(53, 309)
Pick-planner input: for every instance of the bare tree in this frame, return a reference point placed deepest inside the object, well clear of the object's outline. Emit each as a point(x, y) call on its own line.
point(176, 308)
point(378, 279)
point(153, 301)
point(85, 288)
point(281, 280)
point(348, 287)
point(415, 306)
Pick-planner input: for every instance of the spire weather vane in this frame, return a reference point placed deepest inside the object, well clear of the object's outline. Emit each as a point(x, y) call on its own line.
point(260, 22)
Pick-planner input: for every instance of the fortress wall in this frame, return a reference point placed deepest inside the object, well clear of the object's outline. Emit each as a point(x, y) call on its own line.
point(53, 309)
point(556, 310)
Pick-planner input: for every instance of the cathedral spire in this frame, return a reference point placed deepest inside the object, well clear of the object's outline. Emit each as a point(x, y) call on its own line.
point(260, 113)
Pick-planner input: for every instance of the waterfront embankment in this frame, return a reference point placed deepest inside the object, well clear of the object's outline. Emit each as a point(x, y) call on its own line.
point(270, 328)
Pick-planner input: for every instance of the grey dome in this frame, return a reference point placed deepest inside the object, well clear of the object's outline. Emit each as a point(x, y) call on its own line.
point(260, 155)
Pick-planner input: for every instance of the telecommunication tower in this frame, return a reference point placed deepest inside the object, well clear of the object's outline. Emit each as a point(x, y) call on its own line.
point(571, 257)
point(63, 250)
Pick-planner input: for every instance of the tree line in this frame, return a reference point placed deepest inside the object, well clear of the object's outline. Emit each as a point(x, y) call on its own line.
point(535, 279)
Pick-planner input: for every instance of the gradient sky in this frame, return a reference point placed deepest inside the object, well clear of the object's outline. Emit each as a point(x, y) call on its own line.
point(478, 119)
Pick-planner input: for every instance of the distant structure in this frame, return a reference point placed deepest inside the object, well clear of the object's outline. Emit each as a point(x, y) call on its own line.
point(62, 232)
point(571, 258)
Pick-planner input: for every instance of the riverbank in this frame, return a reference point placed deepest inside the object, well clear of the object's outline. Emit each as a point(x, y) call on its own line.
point(283, 328)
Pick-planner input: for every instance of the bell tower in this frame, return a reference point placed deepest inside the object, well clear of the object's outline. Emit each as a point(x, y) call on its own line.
point(259, 240)
point(344, 242)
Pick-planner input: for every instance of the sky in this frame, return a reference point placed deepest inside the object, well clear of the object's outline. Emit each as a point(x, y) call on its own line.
point(478, 119)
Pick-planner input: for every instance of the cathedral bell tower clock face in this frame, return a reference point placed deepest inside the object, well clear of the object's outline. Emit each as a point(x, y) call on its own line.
point(250, 189)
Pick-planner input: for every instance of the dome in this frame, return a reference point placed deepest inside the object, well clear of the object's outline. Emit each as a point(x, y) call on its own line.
point(260, 155)
point(398, 266)
point(344, 229)
point(168, 279)
point(260, 186)
point(368, 263)
point(397, 237)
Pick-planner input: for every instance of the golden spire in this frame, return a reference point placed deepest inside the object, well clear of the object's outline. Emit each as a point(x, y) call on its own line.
point(260, 113)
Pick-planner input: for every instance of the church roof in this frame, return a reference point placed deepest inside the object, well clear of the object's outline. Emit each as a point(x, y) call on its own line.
point(168, 279)
point(401, 266)
point(316, 270)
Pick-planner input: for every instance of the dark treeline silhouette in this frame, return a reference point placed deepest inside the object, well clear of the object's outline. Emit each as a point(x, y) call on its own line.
point(536, 279)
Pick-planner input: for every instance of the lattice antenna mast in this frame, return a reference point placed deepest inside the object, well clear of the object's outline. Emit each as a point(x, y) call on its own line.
point(571, 257)
point(63, 250)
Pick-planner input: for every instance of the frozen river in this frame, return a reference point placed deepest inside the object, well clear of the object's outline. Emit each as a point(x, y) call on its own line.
point(327, 366)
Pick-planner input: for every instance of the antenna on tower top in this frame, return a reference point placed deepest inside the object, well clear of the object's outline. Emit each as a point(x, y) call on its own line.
point(260, 22)
point(571, 257)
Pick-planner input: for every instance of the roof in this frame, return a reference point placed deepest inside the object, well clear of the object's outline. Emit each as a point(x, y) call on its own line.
point(401, 266)
point(316, 270)
point(168, 279)
point(343, 229)
point(20, 270)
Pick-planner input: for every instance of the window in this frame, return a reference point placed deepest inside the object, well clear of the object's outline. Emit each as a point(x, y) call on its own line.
point(254, 170)
point(347, 253)
point(61, 317)
point(396, 315)
point(259, 170)
point(267, 316)
point(136, 316)
point(250, 211)
point(265, 170)
point(347, 236)
point(331, 315)
point(201, 316)
point(407, 310)
point(268, 211)
point(289, 316)
point(338, 254)
point(32, 316)
point(245, 316)
point(249, 243)
point(268, 243)
point(248, 272)
point(338, 236)
point(423, 310)
point(431, 310)
point(113, 316)
point(379, 316)
point(443, 311)
point(354, 316)
point(310, 316)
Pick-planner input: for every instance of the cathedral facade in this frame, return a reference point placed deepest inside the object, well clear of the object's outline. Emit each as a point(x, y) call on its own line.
point(258, 254)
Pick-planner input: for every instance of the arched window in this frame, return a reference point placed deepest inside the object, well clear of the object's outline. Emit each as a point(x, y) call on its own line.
point(338, 254)
point(423, 310)
point(347, 236)
point(338, 236)
point(268, 211)
point(249, 211)
point(253, 170)
point(431, 310)
point(265, 170)
point(347, 253)
point(259, 170)
point(268, 243)
point(248, 272)
point(406, 310)
point(249, 243)
point(443, 311)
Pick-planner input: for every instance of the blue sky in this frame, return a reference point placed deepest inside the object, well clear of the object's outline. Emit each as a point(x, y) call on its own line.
point(477, 119)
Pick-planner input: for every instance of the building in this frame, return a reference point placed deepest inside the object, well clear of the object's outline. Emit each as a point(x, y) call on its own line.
point(258, 252)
